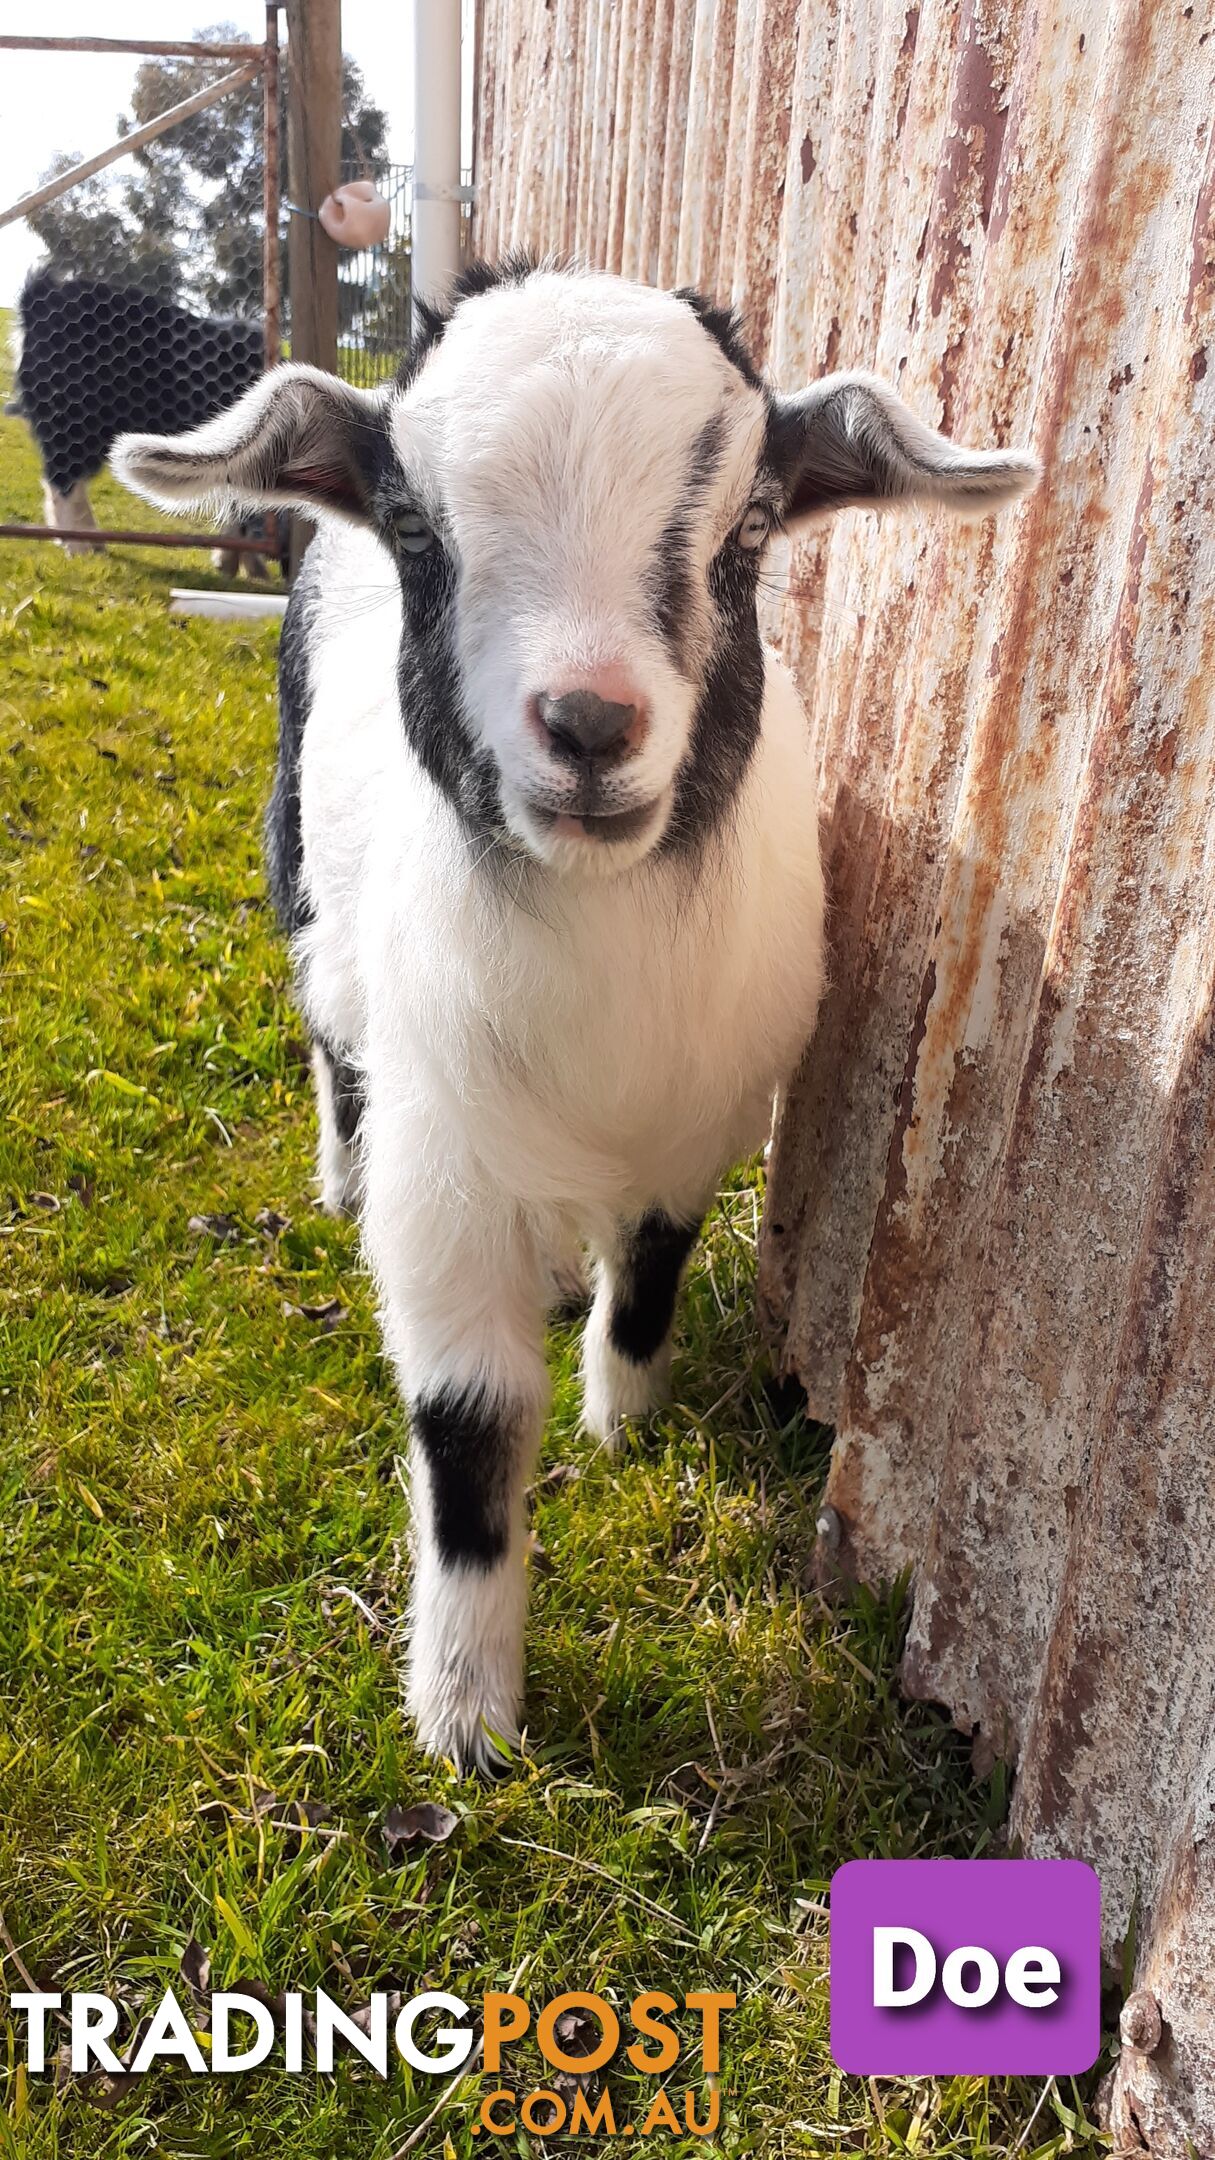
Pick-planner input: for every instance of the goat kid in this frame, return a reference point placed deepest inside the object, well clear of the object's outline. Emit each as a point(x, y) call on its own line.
point(544, 837)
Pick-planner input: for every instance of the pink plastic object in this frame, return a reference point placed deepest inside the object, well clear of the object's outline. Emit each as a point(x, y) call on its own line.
point(355, 215)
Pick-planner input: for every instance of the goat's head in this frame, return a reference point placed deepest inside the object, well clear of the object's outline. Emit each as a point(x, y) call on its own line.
point(577, 478)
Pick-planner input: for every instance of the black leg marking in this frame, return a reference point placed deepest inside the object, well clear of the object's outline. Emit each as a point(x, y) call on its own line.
point(469, 1445)
point(347, 1084)
point(652, 1255)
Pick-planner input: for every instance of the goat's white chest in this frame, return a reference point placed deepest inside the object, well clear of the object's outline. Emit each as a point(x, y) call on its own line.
point(577, 1050)
point(586, 1048)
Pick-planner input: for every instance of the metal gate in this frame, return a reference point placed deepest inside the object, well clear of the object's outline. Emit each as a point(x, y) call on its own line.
point(125, 337)
point(375, 288)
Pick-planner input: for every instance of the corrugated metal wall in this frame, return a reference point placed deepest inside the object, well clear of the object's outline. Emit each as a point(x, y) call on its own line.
point(989, 1251)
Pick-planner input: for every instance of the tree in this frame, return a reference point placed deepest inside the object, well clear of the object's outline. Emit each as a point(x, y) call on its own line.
point(87, 232)
point(187, 220)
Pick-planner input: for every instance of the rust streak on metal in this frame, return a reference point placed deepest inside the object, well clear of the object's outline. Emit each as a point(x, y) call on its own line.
point(191, 49)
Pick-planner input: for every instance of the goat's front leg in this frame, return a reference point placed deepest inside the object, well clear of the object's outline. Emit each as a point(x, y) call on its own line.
point(463, 1313)
point(626, 1350)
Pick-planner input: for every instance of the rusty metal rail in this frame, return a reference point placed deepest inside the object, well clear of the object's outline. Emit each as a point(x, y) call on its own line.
point(141, 48)
point(988, 1247)
point(100, 536)
point(127, 145)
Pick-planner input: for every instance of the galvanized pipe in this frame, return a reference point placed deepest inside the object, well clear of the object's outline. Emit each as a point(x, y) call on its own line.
point(271, 238)
point(436, 157)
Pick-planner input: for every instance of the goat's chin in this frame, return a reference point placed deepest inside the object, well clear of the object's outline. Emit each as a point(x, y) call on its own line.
point(591, 847)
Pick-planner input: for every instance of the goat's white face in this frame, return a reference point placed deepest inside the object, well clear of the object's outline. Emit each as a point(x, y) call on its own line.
point(582, 447)
point(576, 477)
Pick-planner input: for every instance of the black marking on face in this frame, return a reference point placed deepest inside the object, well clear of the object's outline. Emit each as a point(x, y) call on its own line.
point(671, 577)
point(428, 681)
point(653, 1252)
point(726, 726)
point(480, 277)
point(671, 582)
point(469, 1445)
point(284, 840)
point(706, 456)
point(723, 326)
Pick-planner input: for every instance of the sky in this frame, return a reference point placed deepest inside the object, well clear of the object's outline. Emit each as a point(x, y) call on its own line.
point(70, 101)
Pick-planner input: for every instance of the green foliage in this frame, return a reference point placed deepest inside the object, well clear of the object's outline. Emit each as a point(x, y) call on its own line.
point(203, 1537)
point(185, 219)
point(98, 230)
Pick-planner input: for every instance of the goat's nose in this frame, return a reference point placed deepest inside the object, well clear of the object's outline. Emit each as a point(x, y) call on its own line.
point(584, 725)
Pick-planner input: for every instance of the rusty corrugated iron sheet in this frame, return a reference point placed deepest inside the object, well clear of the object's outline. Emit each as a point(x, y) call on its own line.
point(989, 1247)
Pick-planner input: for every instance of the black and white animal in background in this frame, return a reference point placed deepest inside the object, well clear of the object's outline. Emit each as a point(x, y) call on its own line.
point(544, 837)
point(97, 360)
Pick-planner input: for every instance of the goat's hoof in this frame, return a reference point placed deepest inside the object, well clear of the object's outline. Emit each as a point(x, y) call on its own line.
point(462, 1718)
point(616, 1390)
point(608, 1412)
point(341, 1187)
point(474, 1748)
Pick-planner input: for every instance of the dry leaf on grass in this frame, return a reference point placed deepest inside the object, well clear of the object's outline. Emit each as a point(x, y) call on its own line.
point(223, 1228)
point(426, 1823)
point(195, 1967)
point(328, 1314)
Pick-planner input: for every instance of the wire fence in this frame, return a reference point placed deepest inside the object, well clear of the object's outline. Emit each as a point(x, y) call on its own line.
point(375, 288)
point(375, 285)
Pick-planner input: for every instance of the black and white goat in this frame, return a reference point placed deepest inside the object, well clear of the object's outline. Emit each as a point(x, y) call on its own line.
point(96, 360)
point(544, 837)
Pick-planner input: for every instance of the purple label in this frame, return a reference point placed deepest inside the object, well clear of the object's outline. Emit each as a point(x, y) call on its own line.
point(949, 1967)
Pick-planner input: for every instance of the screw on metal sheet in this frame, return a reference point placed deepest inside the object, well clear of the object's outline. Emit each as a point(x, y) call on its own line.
point(830, 1529)
point(1139, 2024)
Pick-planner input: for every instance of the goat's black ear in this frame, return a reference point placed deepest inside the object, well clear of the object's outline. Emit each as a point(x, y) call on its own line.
point(297, 439)
point(850, 439)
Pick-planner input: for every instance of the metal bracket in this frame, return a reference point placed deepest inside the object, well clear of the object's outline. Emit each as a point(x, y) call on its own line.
point(422, 193)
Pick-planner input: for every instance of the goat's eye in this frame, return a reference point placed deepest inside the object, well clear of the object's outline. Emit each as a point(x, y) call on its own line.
point(413, 534)
point(754, 526)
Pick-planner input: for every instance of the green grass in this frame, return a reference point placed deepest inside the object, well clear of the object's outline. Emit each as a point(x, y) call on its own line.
point(203, 1531)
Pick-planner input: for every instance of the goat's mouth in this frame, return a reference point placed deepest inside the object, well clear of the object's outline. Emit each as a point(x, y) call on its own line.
point(613, 826)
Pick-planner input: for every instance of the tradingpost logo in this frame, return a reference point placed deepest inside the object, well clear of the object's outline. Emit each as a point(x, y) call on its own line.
point(230, 2032)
